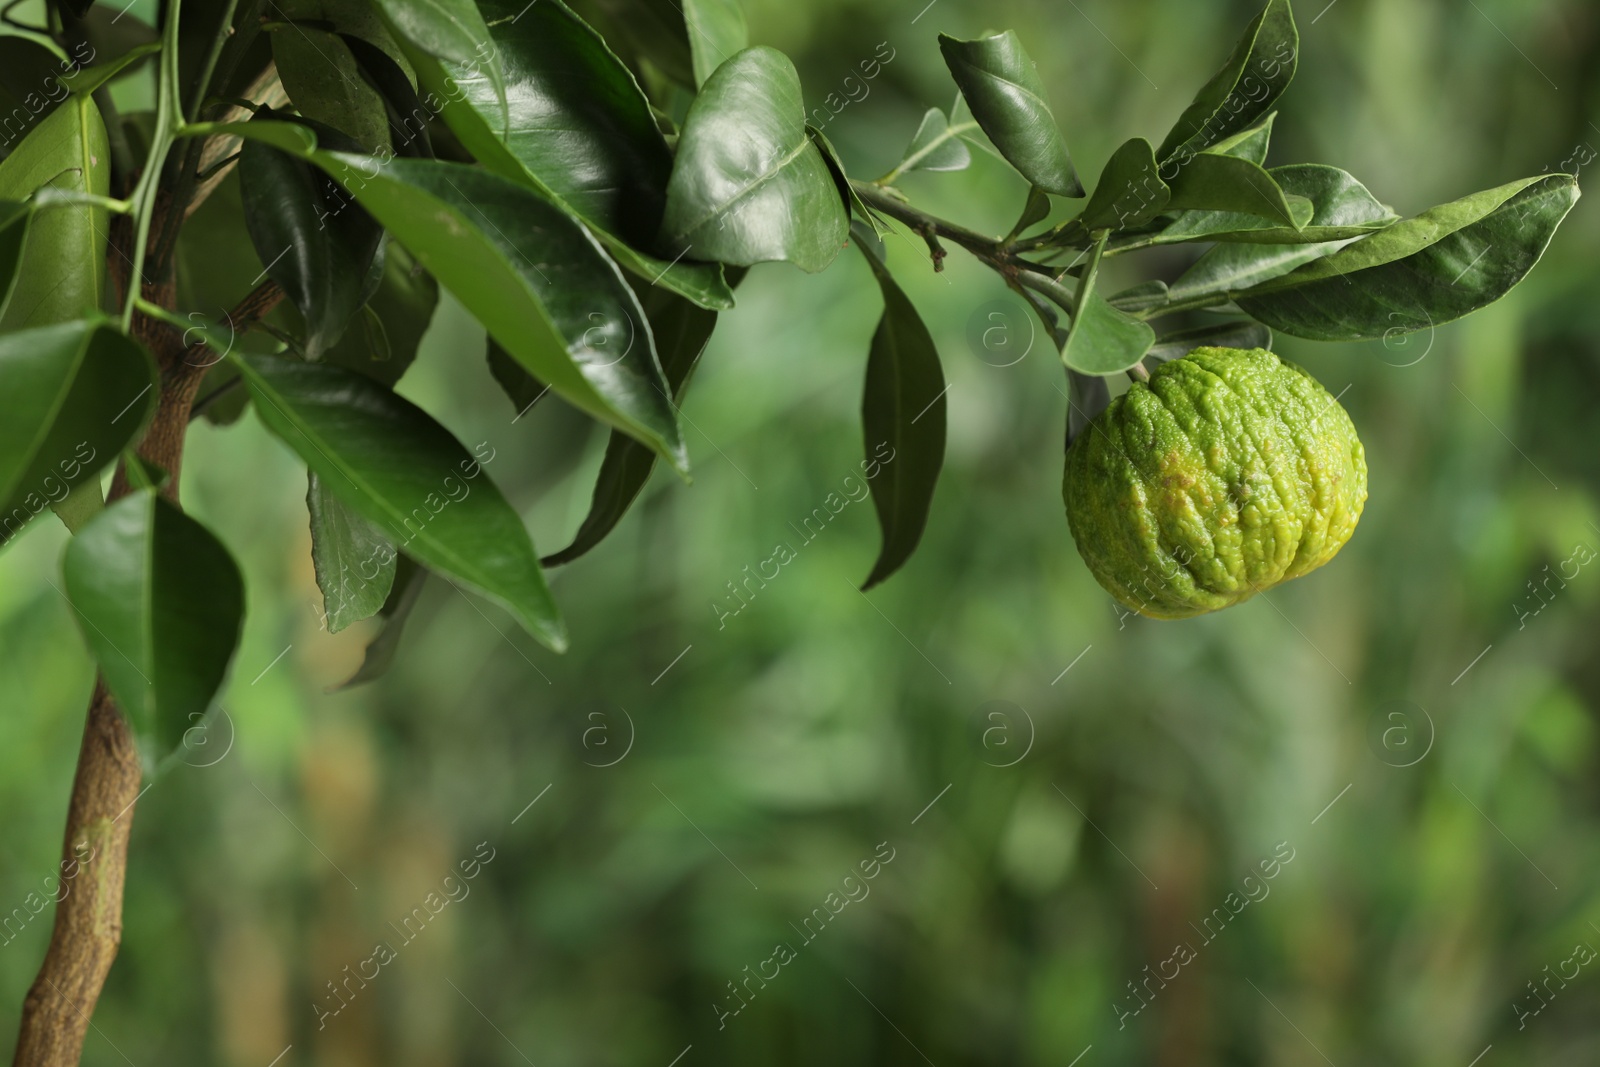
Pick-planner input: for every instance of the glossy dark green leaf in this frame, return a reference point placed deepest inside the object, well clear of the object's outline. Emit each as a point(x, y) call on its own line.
point(409, 578)
point(404, 109)
point(160, 603)
point(407, 475)
point(580, 127)
point(937, 145)
point(579, 131)
point(1213, 182)
point(1422, 272)
point(62, 270)
point(354, 561)
point(72, 396)
point(1129, 193)
point(534, 277)
point(316, 243)
point(747, 184)
point(382, 342)
point(681, 330)
point(1340, 208)
point(324, 82)
point(1102, 339)
point(1001, 86)
point(1255, 75)
point(853, 204)
point(903, 411)
point(1238, 334)
point(452, 30)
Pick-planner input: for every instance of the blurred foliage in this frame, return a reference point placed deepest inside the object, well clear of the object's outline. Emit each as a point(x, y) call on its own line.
point(780, 749)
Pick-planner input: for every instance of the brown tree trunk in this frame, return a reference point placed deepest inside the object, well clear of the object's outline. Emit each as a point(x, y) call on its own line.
point(88, 922)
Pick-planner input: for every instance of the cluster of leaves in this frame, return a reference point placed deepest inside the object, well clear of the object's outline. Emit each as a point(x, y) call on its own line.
point(590, 186)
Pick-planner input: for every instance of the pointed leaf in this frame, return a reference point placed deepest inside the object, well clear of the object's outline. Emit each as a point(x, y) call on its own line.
point(1422, 272)
point(681, 331)
point(1129, 193)
point(72, 397)
point(353, 560)
point(160, 602)
point(1222, 183)
point(903, 412)
point(1007, 97)
point(62, 270)
point(317, 245)
point(937, 145)
point(748, 186)
point(407, 475)
point(324, 82)
point(383, 341)
point(853, 204)
point(1251, 144)
point(1255, 75)
point(451, 30)
point(534, 277)
point(1341, 208)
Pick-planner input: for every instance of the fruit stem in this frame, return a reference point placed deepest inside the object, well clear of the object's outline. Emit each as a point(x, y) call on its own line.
point(1138, 373)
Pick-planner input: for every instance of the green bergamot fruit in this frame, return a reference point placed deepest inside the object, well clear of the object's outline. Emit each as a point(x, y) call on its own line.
point(1228, 472)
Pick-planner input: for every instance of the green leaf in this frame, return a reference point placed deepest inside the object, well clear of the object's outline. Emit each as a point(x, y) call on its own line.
point(404, 473)
point(451, 30)
point(1251, 144)
point(902, 410)
point(1141, 297)
point(1240, 334)
point(682, 331)
point(1102, 339)
point(62, 270)
point(579, 126)
point(717, 33)
point(534, 277)
point(580, 132)
point(409, 578)
point(1422, 272)
point(1034, 211)
point(316, 244)
point(324, 82)
point(382, 343)
point(1129, 193)
point(1341, 208)
point(1221, 183)
point(1255, 75)
point(748, 185)
point(86, 80)
point(848, 196)
point(353, 560)
point(1007, 97)
point(160, 603)
point(404, 111)
point(72, 396)
point(937, 145)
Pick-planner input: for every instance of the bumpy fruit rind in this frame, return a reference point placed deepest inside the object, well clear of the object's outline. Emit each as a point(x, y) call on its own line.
point(1229, 472)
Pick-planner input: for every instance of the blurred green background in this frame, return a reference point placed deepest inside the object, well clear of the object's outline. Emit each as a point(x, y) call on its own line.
point(1401, 723)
